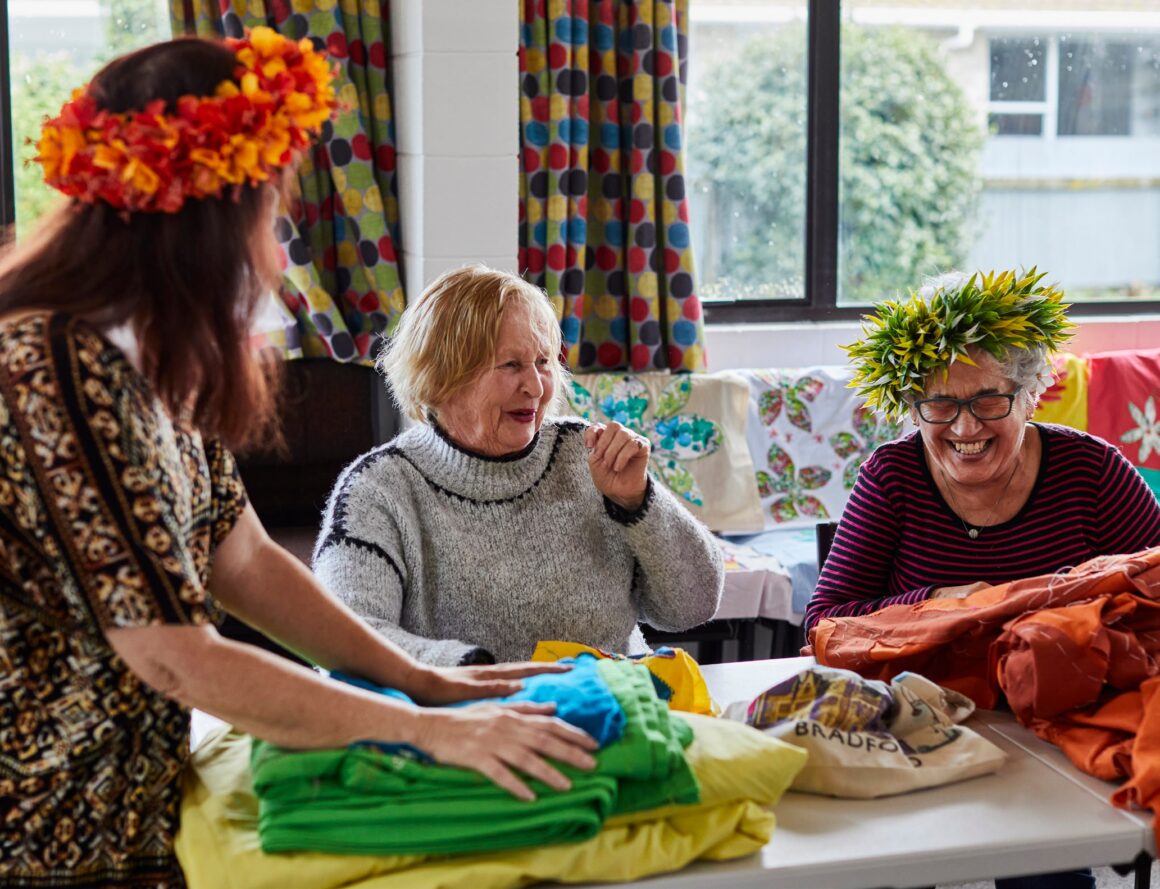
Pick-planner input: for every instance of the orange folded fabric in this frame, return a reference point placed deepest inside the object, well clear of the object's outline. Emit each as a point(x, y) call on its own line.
point(949, 640)
point(1076, 655)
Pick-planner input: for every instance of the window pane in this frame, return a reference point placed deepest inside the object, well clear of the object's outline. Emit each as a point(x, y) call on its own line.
point(1096, 79)
point(1017, 70)
point(908, 155)
point(933, 178)
point(746, 104)
point(56, 45)
point(1015, 124)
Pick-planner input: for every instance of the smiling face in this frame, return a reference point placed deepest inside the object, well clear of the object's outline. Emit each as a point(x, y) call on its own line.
point(501, 410)
point(969, 451)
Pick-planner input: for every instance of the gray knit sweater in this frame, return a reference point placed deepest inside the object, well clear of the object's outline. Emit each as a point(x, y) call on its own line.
point(443, 551)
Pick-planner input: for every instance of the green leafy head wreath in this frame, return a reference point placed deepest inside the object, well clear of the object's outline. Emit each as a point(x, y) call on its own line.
point(906, 341)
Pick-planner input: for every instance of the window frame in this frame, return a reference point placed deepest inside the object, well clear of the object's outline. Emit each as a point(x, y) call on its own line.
point(823, 70)
point(7, 153)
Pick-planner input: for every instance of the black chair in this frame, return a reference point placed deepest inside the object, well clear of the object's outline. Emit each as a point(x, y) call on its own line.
point(825, 532)
point(710, 638)
point(330, 414)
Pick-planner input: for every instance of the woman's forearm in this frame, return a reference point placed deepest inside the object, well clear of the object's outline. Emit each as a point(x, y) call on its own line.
point(258, 692)
point(262, 584)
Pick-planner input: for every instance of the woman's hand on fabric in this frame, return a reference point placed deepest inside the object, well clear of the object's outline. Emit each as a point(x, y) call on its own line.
point(434, 686)
point(958, 592)
point(618, 461)
point(506, 741)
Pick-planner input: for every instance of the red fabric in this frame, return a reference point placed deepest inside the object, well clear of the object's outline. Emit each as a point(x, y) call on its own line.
point(1077, 657)
point(1119, 382)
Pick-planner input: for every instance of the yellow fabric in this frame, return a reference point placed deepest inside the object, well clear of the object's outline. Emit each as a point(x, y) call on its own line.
point(740, 770)
point(1066, 401)
point(678, 670)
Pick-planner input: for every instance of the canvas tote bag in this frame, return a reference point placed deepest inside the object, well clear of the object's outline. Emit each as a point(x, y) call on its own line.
point(868, 738)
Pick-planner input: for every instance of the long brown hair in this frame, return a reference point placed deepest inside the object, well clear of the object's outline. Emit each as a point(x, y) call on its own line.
point(188, 283)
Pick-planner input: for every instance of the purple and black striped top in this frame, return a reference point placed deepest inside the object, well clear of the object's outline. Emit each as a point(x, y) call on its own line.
point(898, 539)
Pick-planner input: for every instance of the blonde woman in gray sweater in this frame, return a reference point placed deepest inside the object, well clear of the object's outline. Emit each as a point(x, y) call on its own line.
point(490, 524)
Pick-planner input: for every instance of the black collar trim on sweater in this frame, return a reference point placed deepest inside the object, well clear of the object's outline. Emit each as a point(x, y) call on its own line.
point(506, 458)
point(570, 427)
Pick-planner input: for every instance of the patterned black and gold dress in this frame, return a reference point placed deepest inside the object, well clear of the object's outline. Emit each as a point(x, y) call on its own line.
point(109, 517)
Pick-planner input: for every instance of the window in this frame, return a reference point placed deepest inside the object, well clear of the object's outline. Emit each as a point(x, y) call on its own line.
point(1075, 85)
point(1018, 90)
point(55, 46)
point(746, 103)
point(942, 135)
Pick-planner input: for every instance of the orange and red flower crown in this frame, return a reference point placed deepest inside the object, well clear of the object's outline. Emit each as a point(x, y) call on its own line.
point(153, 161)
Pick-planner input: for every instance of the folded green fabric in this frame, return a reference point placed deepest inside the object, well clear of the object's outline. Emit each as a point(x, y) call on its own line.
point(359, 800)
point(649, 758)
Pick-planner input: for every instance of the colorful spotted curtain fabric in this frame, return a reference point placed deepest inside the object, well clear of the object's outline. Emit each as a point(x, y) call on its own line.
point(604, 220)
point(342, 284)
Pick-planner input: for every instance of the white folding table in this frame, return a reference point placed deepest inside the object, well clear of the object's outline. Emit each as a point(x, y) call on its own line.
point(1037, 814)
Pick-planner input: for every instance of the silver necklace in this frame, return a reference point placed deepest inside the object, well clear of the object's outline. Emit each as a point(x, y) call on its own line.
point(973, 533)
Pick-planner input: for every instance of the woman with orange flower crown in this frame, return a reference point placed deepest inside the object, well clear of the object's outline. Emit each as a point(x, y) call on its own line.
point(124, 528)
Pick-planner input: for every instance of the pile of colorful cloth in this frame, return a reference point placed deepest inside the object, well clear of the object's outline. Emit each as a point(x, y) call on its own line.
point(668, 789)
point(367, 799)
point(1076, 655)
point(675, 674)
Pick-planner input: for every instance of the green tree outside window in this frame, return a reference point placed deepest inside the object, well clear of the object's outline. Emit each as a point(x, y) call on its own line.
point(909, 155)
point(43, 81)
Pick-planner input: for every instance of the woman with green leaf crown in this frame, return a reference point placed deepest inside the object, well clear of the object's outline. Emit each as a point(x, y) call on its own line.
point(979, 494)
point(492, 524)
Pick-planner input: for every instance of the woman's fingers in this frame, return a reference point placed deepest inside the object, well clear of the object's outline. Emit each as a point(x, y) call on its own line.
point(615, 445)
point(530, 708)
point(568, 744)
point(592, 436)
point(488, 688)
point(502, 741)
point(534, 766)
point(504, 777)
point(518, 670)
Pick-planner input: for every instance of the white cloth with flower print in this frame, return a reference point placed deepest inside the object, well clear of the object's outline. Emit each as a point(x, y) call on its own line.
point(808, 435)
point(695, 424)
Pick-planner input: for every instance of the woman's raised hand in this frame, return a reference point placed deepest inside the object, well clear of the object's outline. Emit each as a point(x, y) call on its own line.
point(501, 740)
point(618, 461)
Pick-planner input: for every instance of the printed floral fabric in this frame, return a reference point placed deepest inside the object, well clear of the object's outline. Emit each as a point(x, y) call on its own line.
point(604, 218)
point(341, 284)
point(696, 426)
point(109, 515)
point(1066, 401)
point(808, 435)
point(1124, 407)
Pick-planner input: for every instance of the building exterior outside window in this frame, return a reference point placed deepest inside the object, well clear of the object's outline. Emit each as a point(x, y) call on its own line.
point(1063, 111)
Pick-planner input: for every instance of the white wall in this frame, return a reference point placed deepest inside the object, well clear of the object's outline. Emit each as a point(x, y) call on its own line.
point(457, 98)
point(457, 129)
point(801, 345)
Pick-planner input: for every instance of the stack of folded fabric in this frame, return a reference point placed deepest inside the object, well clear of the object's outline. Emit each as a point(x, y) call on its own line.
point(383, 800)
point(741, 772)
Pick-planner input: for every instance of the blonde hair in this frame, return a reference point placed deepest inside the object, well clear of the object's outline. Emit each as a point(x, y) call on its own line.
point(447, 338)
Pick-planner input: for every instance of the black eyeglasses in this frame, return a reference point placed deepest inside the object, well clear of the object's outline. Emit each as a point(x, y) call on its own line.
point(989, 406)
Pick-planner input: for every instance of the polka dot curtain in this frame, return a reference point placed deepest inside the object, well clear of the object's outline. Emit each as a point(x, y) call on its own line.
point(604, 220)
point(341, 286)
